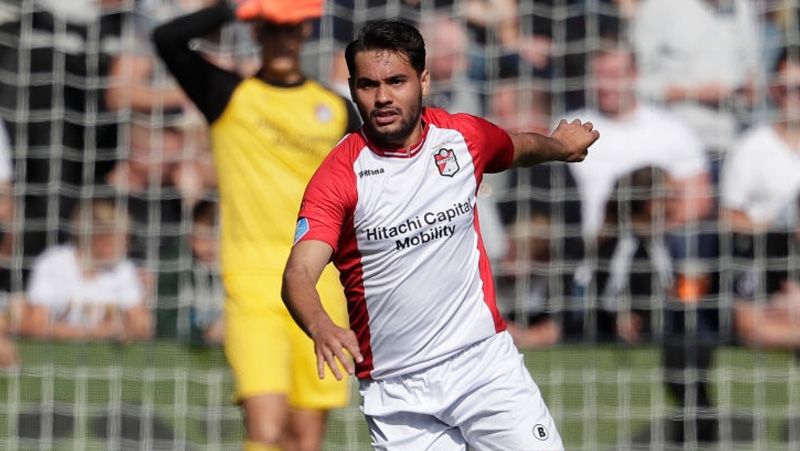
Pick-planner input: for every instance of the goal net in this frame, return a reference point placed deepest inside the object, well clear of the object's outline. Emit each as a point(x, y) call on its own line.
point(647, 317)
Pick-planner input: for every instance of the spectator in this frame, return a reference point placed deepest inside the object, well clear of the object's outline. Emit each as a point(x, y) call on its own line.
point(527, 279)
point(196, 313)
point(633, 295)
point(635, 136)
point(633, 273)
point(708, 69)
point(767, 292)
point(161, 176)
point(206, 318)
point(447, 64)
point(761, 177)
point(496, 27)
point(57, 125)
point(88, 290)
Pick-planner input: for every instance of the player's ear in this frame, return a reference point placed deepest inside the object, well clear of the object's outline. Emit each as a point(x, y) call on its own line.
point(425, 81)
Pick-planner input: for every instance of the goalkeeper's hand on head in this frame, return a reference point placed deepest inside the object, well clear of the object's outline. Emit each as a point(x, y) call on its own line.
point(279, 11)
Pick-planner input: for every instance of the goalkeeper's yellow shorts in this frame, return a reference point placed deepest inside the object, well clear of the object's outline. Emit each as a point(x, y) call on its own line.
point(268, 352)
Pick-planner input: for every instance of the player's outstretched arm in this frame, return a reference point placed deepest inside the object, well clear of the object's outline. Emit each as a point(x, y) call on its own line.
point(569, 142)
point(299, 293)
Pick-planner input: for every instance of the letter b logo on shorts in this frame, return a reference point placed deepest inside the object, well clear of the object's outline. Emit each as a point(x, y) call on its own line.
point(540, 432)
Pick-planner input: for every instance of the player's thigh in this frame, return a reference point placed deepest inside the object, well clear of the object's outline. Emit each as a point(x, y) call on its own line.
point(408, 431)
point(508, 411)
point(257, 341)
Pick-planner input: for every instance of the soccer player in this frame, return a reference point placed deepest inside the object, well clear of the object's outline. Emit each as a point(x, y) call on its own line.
point(393, 207)
point(269, 134)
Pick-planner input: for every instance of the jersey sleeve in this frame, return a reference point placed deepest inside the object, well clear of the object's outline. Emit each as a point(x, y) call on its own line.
point(491, 146)
point(329, 200)
point(738, 178)
point(44, 288)
point(130, 289)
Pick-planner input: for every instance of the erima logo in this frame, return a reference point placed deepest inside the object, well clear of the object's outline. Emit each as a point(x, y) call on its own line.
point(368, 172)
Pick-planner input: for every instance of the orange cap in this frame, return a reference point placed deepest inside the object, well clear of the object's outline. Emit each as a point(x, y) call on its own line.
point(279, 11)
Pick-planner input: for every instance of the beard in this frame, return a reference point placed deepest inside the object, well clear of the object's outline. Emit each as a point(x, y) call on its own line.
point(394, 138)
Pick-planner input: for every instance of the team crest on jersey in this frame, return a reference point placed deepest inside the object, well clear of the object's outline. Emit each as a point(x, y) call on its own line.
point(323, 113)
point(446, 162)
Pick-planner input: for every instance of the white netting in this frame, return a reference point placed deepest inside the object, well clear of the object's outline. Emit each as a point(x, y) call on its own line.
point(81, 94)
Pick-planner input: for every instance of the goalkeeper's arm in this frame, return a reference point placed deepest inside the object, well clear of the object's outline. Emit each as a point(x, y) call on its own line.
point(209, 86)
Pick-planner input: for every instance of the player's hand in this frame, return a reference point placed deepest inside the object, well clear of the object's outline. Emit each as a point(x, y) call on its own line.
point(575, 138)
point(330, 343)
point(279, 11)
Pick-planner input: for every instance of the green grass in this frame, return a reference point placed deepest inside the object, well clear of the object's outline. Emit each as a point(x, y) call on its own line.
point(600, 396)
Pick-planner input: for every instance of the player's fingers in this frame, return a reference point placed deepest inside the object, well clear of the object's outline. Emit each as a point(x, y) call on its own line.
point(320, 365)
point(351, 343)
point(576, 122)
point(588, 126)
point(333, 366)
point(346, 362)
point(562, 122)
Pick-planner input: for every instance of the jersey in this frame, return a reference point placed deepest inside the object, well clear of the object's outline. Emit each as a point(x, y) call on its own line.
point(267, 144)
point(406, 240)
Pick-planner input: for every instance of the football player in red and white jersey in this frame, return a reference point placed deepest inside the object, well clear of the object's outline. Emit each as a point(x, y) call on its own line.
point(393, 207)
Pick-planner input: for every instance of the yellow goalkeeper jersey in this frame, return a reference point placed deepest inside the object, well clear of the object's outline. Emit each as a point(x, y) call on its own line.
point(268, 142)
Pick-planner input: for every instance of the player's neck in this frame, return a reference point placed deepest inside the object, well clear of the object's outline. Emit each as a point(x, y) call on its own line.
point(406, 145)
point(281, 79)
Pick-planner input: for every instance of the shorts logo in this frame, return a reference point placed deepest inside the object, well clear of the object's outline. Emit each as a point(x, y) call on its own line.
point(540, 432)
point(446, 162)
point(301, 230)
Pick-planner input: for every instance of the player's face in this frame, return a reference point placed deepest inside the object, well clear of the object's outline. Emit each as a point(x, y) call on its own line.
point(204, 243)
point(388, 93)
point(281, 46)
point(613, 76)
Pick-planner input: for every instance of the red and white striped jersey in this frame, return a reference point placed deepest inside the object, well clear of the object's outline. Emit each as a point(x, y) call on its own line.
point(404, 230)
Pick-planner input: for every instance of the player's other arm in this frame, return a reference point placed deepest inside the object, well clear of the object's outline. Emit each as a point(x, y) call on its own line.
point(299, 293)
point(569, 142)
point(208, 86)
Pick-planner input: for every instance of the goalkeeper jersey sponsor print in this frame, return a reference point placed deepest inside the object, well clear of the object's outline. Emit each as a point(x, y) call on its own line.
point(404, 230)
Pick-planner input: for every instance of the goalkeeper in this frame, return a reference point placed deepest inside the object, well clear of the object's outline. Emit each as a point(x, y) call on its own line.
point(269, 132)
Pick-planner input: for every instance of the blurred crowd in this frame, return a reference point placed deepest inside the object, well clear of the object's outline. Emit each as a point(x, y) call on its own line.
point(681, 229)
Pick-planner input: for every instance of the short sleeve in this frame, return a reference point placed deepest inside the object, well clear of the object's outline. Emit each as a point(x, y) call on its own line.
point(328, 201)
point(130, 292)
point(43, 288)
point(736, 180)
point(491, 146)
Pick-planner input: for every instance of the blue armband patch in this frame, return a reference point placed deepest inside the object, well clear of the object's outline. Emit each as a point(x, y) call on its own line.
point(301, 230)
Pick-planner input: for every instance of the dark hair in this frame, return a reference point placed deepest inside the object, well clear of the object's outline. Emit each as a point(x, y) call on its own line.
point(205, 212)
point(787, 53)
point(389, 35)
point(633, 192)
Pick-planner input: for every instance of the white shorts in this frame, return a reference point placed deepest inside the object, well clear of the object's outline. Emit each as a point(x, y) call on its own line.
point(483, 397)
